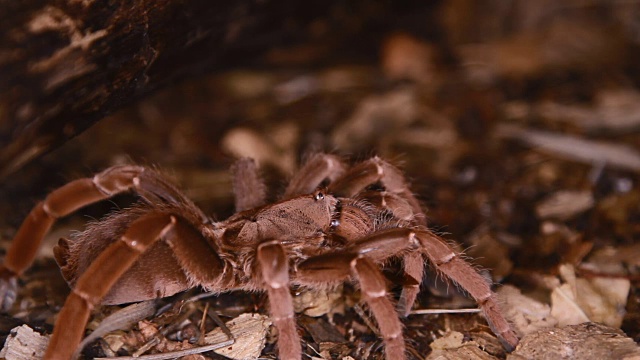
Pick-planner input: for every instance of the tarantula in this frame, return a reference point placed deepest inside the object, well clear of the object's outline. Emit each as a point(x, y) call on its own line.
point(334, 223)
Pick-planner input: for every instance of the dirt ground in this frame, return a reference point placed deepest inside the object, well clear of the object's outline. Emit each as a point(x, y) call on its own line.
point(518, 128)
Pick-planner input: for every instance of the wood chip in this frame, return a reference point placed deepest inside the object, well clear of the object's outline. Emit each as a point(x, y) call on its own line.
point(376, 116)
point(249, 332)
point(575, 148)
point(322, 331)
point(489, 252)
point(407, 57)
point(24, 344)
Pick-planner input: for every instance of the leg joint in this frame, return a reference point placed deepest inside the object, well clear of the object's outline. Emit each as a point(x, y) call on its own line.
point(47, 210)
point(91, 301)
point(446, 259)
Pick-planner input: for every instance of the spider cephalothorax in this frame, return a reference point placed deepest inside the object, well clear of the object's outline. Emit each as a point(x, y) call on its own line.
point(334, 223)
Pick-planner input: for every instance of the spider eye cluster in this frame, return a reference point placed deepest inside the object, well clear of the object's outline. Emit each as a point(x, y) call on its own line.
point(335, 221)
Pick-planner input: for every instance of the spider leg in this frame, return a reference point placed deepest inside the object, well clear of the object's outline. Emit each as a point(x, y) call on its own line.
point(399, 199)
point(103, 273)
point(374, 291)
point(69, 198)
point(315, 170)
point(274, 268)
point(414, 270)
point(248, 187)
point(395, 203)
point(386, 243)
point(371, 171)
point(339, 266)
point(99, 278)
point(454, 267)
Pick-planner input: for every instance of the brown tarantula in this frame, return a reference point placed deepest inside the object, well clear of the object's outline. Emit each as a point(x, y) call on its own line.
point(334, 223)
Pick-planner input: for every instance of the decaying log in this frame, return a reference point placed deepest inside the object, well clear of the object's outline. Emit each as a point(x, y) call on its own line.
point(65, 64)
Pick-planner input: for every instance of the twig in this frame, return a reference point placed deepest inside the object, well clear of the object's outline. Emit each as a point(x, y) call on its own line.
point(175, 354)
point(220, 324)
point(162, 333)
point(121, 319)
point(444, 311)
point(366, 319)
point(202, 323)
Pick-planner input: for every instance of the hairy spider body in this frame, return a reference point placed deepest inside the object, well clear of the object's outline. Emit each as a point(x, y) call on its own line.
point(334, 223)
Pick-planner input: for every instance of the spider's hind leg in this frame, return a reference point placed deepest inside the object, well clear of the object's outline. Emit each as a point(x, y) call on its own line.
point(94, 284)
point(199, 262)
point(70, 197)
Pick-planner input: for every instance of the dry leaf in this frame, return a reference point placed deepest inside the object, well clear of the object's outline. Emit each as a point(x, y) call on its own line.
point(580, 300)
point(376, 115)
point(122, 319)
point(565, 204)
point(451, 347)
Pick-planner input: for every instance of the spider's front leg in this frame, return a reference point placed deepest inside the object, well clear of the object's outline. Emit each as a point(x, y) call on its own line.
point(383, 244)
point(461, 272)
point(274, 268)
point(376, 170)
point(335, 267)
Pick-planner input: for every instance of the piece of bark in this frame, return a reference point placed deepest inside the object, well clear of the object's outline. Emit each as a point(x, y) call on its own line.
point(587, 341)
